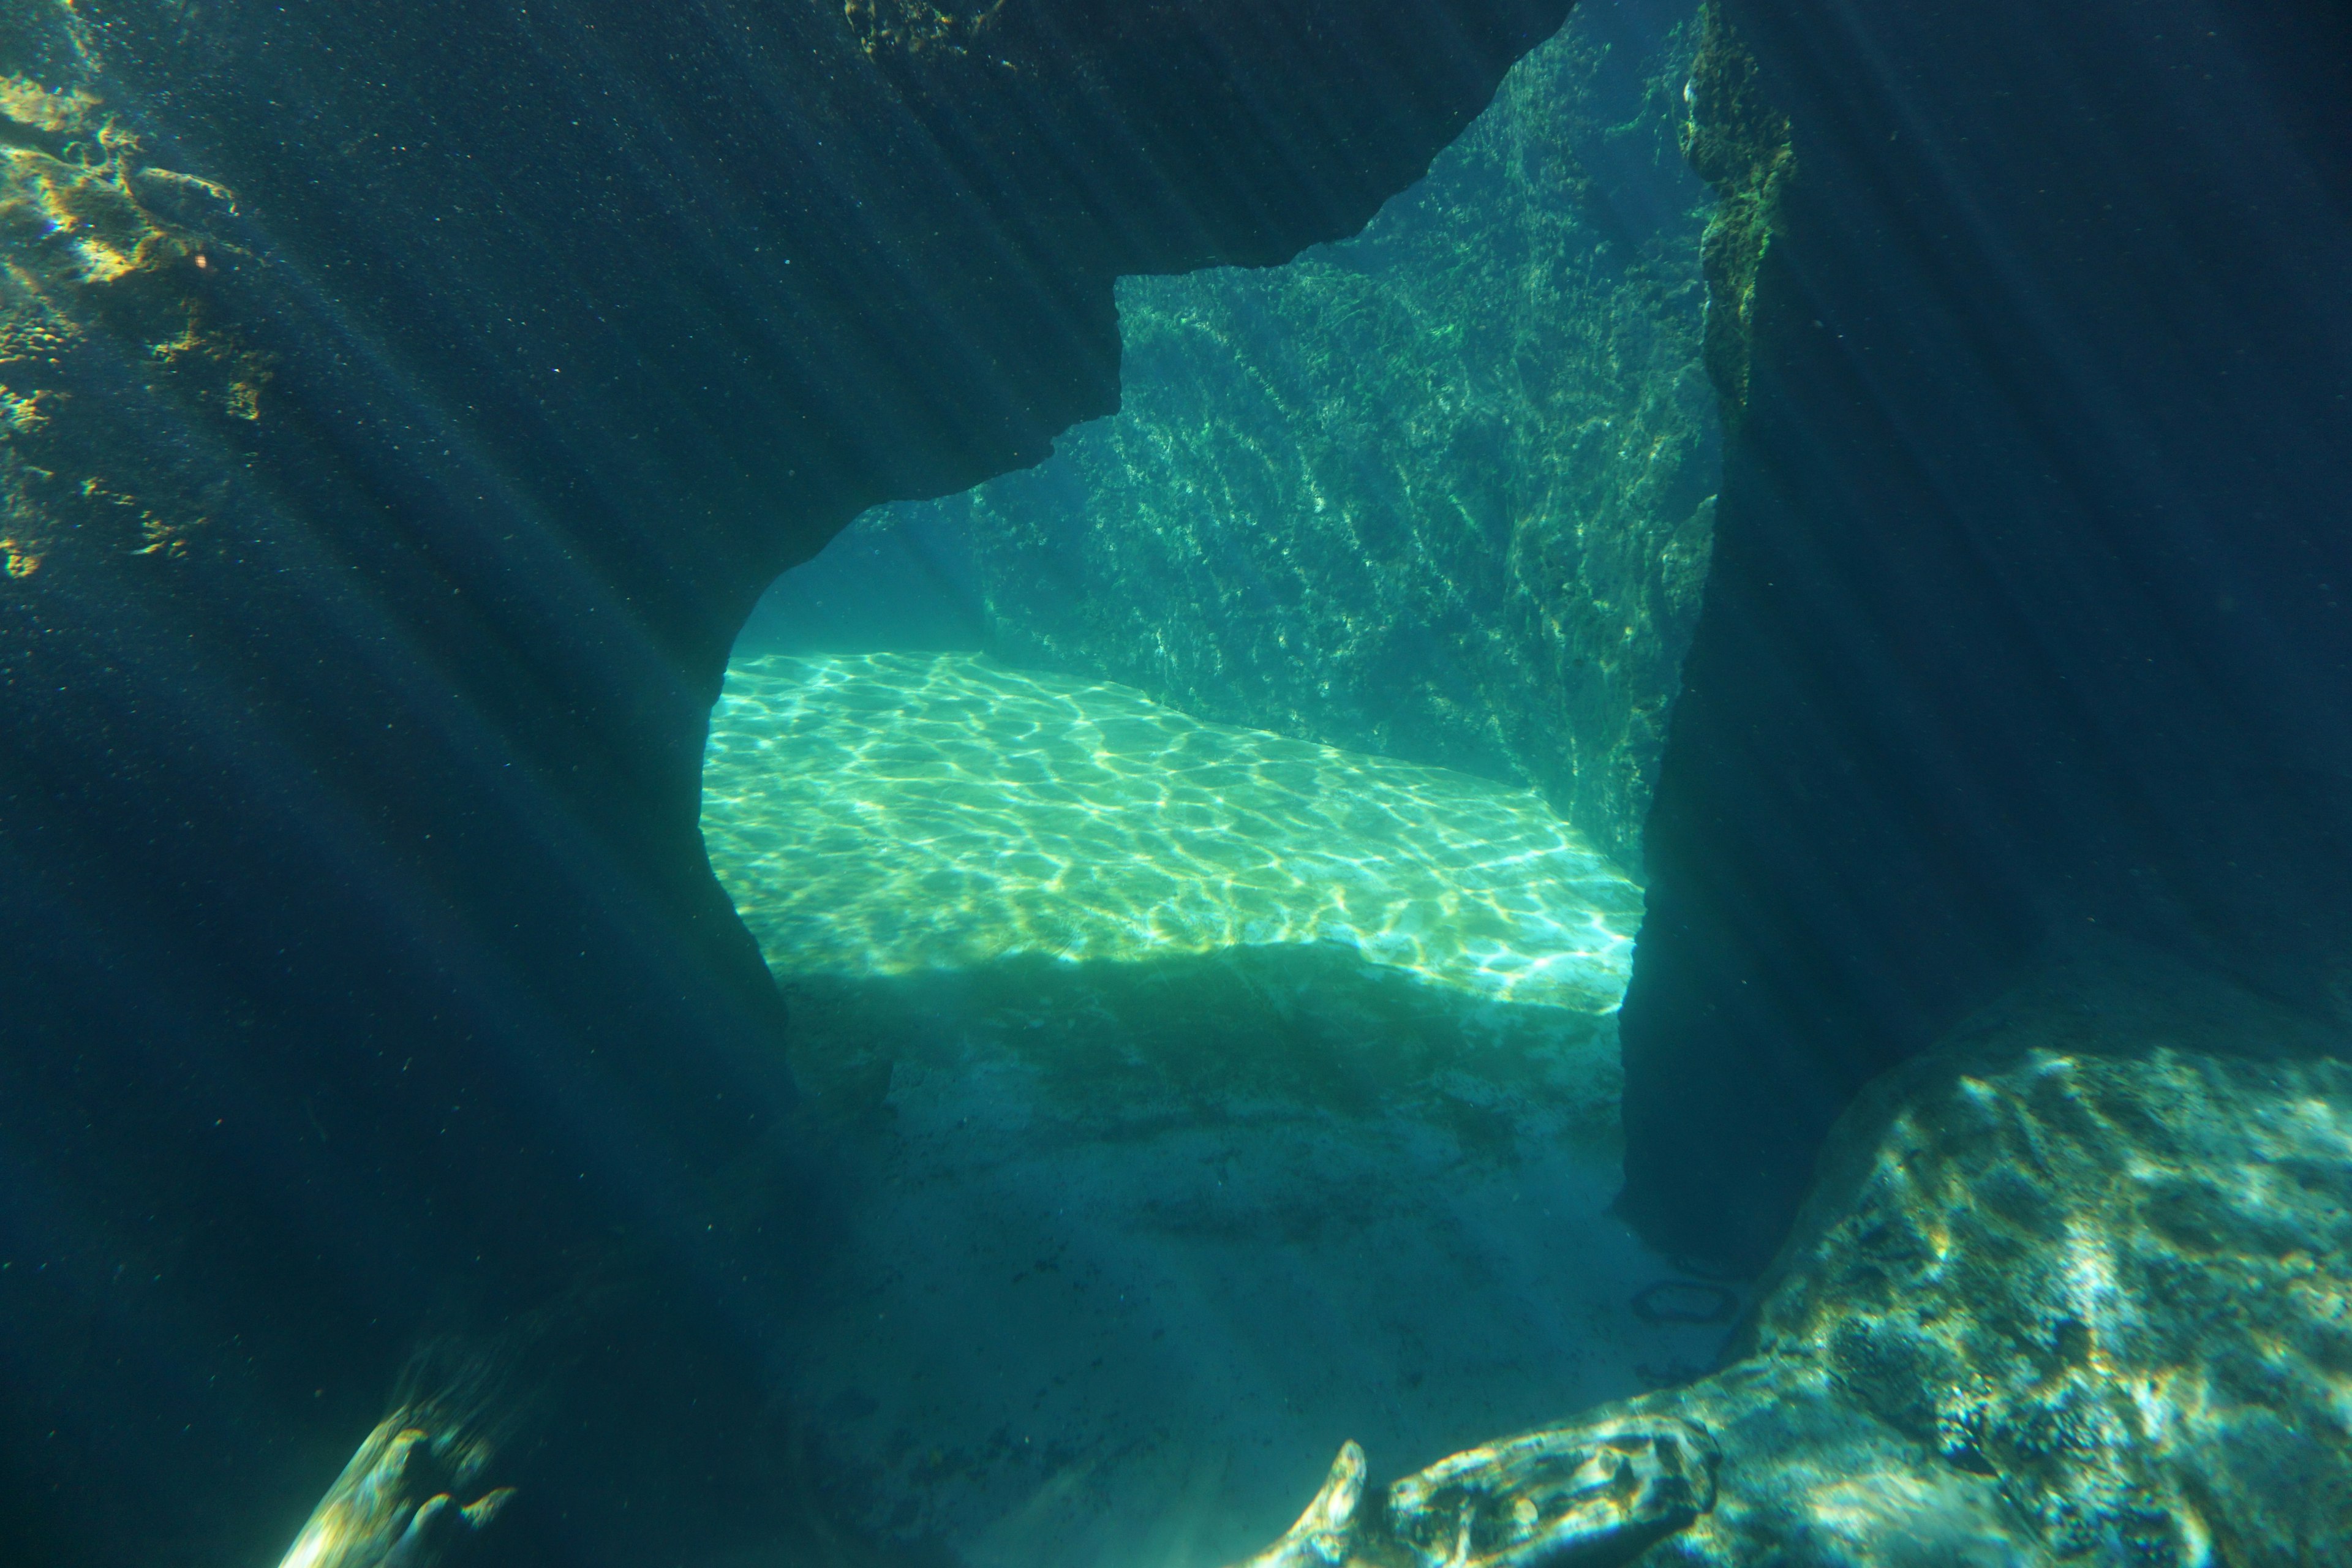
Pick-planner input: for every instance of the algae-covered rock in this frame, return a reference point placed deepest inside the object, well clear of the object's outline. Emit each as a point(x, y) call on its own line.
point(390, 1506)
point(1742, 145)
point(1441, 493)
point(112, 323)
point(2076, 1287)
point(2085, 1279)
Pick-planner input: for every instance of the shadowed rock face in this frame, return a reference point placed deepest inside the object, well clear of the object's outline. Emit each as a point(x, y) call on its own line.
point(2024, 614)
point(404, 405)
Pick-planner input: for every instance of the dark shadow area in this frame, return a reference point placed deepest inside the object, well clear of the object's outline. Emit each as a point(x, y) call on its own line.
point(2026, 609)
point(1317, 1025)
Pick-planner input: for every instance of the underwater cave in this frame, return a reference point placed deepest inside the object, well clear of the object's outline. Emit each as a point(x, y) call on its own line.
point(1199, 867)
point(932, 783)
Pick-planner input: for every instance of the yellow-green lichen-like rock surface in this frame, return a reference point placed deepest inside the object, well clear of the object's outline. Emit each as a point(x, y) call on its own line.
point(1069, 866)
point(2100, 1256)
point(2076, 1287)
point(112, 277)
point(1742, 145)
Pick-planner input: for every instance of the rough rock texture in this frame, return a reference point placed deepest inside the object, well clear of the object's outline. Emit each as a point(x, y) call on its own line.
point(2074, 1288)
point(405, 404)
point(2077, 1287)
point(1740, 143)
point(1440, 492)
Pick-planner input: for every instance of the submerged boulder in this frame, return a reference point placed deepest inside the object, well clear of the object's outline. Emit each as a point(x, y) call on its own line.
point(2077, 1286)
point(2086, 1281)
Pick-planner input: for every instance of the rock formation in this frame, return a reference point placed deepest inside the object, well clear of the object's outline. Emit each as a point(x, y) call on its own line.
point(403, 407)
point(2074, 1288)
point(2020, 621)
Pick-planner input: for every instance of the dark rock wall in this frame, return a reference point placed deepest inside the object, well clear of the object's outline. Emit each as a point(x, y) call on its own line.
point(405, 404)
point(2024, 614)
point(1439, 492)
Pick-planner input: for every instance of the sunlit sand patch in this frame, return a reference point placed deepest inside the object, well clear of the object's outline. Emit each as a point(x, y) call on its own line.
point(888, 813)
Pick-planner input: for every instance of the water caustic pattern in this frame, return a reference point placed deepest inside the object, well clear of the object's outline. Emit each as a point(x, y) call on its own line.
point(1208, 1089)
point(883, 815)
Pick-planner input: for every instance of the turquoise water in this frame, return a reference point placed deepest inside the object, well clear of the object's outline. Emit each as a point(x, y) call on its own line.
point(879, 815)
point(1196, 868)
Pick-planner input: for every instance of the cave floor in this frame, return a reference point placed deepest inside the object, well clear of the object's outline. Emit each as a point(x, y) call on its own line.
point(1200, 1100)
point(887, 813)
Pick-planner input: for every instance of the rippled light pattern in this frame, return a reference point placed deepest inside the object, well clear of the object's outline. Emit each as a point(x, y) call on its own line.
point(883, 815)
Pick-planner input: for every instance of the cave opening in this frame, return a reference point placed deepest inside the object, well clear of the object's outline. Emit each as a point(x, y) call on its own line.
point(1202, 869)
point(1199, 866)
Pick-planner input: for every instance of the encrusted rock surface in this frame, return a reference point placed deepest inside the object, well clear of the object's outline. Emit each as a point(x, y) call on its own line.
point(1740, 144)
point(2077, 1288)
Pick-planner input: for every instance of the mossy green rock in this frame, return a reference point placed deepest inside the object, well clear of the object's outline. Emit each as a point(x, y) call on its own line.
point(1442, 493)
